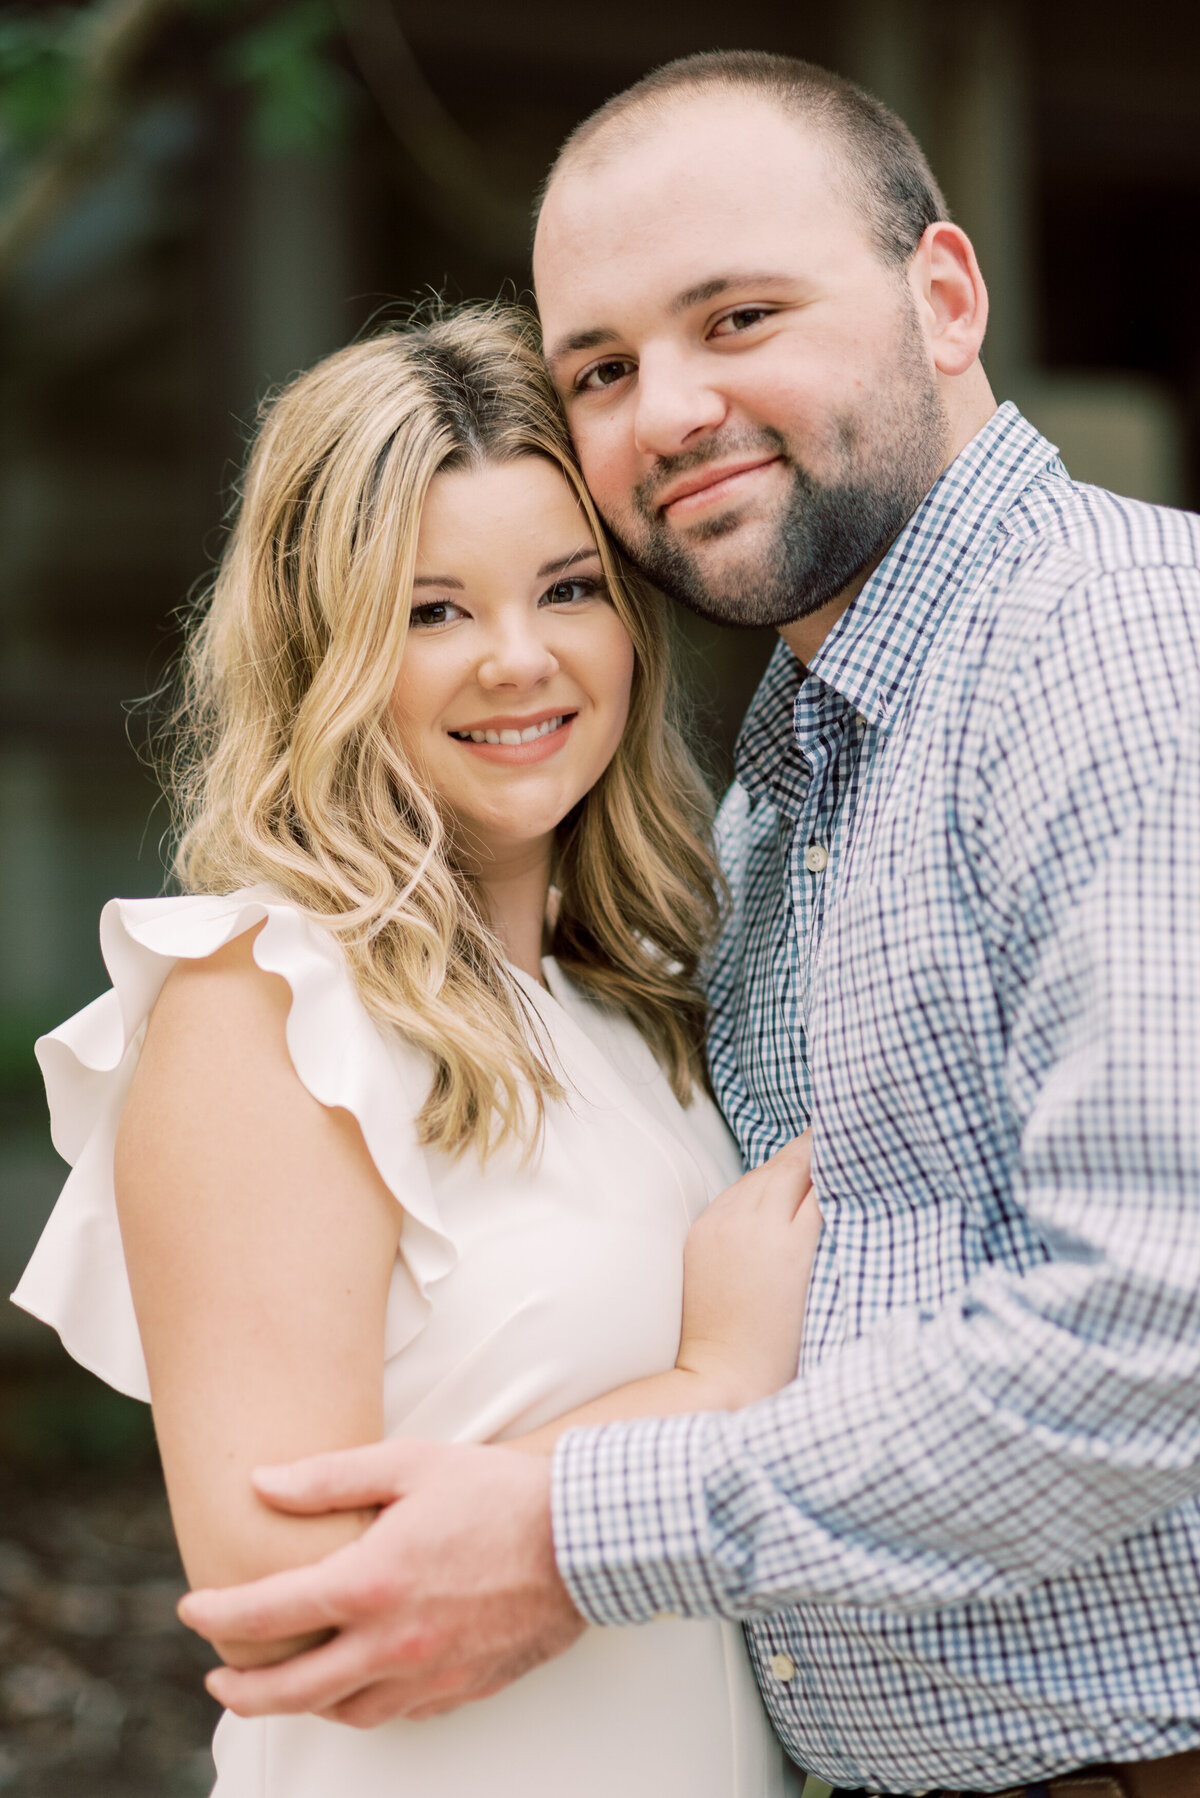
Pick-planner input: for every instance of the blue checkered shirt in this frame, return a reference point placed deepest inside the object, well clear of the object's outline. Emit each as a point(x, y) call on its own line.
point(964, 854)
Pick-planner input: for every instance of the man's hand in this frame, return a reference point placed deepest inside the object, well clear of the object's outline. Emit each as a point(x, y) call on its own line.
point(449, 1595)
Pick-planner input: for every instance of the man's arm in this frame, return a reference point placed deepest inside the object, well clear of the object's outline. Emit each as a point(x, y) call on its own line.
point(449, 1595)
point(1038, 1417)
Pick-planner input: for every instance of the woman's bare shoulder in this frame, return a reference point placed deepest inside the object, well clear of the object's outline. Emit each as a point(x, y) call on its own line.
point(214, 1000)
point(217, 1032)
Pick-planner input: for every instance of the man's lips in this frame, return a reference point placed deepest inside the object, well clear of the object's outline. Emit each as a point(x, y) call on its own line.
point(708, 484)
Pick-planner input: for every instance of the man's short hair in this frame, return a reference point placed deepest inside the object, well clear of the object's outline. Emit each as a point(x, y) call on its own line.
point(890, 180)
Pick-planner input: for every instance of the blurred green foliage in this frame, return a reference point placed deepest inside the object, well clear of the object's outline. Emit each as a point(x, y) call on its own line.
point(55, 1413)
point(39, 74)
point(301, 96)
point(19, 1072)
point(284, 55)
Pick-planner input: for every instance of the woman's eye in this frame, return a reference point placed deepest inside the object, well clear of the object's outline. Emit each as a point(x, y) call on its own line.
point(741, 320)
point(564, 592)
point(603, 374)
point(434, 611)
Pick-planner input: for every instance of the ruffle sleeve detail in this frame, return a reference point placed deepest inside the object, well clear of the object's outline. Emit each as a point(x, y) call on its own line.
point(76, 1280)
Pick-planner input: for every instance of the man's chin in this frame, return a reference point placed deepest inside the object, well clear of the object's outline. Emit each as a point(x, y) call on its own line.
point(727, 573)
point(736, 608)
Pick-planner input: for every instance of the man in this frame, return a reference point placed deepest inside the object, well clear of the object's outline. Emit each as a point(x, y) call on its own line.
point(964, 854)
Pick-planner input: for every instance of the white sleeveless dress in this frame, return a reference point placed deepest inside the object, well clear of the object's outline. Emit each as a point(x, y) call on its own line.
point(517, 1294)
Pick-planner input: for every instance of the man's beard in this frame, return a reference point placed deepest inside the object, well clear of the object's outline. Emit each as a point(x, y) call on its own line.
point(887, 458)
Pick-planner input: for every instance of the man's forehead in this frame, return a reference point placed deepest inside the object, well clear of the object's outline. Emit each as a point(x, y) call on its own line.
point(734, 157)
point(662, 130)
point(685, 218)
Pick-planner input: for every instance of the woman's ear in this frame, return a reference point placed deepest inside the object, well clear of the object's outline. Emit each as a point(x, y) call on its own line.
point(951, 299)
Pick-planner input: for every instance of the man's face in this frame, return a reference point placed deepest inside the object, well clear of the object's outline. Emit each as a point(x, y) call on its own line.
point(747, 383)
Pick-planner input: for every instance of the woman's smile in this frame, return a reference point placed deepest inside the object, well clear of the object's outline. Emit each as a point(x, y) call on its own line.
point(516, 742)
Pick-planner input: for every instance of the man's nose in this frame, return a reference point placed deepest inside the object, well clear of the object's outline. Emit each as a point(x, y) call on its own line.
point(676, 404)
point(517, 655)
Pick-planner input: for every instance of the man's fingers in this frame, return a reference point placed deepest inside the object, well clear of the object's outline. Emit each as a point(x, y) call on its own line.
point(267, 1610)
point(316, 1681)
point(348, 1479)
point(425, 1695)
point(330, 1681)
point(388, 1698)
point(373, 1705)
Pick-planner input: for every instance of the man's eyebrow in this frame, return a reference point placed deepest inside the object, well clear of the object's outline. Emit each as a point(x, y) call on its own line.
point(719, 284)
point(580, 340)
point(576, 341)
point(586, 553)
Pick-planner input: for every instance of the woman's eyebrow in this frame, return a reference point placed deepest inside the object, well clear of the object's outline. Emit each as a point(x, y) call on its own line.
point(437, 580)
point(587, 553)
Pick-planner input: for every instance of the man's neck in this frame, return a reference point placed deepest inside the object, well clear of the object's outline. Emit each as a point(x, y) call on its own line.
point(804, 636)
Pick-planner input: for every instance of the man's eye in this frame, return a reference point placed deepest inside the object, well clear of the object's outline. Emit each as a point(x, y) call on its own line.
point(434, 611)
point(603, 374)
point(741, 320)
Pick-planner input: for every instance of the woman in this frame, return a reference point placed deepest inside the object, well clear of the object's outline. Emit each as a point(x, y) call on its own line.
point(353, 1155)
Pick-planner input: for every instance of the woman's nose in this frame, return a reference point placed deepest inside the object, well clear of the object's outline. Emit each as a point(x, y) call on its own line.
point(517, 656)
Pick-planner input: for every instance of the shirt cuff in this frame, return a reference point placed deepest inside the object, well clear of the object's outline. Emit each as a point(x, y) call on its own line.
point(631, 1524)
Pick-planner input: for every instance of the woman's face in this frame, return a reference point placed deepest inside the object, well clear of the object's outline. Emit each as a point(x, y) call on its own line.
point(514, 688)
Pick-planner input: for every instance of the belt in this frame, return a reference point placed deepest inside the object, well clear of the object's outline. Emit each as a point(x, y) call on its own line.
point(1178, 1776)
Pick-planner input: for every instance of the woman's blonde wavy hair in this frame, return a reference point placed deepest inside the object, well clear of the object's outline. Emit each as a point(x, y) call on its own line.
point(286, 770)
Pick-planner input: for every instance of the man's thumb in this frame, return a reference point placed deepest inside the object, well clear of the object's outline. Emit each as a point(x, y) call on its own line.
point(344, 1480)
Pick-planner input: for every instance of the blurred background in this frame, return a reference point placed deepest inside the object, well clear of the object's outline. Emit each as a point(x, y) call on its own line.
point(199, 197)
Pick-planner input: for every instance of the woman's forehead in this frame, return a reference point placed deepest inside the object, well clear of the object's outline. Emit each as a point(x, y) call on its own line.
point(525, 508)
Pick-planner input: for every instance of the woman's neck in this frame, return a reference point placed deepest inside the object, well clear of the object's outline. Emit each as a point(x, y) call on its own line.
point(513, 892)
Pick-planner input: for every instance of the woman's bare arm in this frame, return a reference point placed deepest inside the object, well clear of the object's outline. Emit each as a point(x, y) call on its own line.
point(260, 1242)
point(746, 1269)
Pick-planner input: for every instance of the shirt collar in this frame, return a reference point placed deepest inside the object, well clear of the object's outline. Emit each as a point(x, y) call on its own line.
point(874, 652)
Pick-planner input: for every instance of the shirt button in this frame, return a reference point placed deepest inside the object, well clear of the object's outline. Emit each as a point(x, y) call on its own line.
point(860, 723)
point(783, 1667)
point(816, 858)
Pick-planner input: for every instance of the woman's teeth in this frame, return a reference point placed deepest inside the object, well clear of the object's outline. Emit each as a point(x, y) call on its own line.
point(511, 737)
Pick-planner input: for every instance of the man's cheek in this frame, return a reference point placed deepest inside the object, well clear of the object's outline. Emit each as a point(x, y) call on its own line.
point(611, 478)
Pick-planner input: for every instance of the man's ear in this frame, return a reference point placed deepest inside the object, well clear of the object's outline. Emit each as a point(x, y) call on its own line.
point(951, 299)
